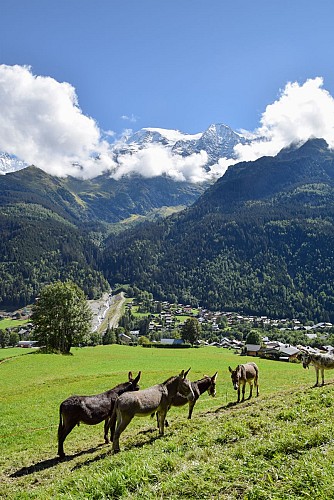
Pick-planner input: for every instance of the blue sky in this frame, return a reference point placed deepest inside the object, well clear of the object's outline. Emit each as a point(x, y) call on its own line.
point(178, 64)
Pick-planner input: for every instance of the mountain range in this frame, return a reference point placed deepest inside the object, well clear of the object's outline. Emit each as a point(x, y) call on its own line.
point(258, 240)
point(217, 141)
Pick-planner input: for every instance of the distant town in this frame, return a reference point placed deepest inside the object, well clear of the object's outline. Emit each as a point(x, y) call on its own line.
point(161, 323)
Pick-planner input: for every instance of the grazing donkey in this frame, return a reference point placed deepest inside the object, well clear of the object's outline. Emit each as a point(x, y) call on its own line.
point(248, 372)
point(147, 401)
point(90, 410)
point(199, 387)
point(321, 362)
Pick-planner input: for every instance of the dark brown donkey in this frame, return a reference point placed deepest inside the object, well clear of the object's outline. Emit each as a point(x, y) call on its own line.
point(90, 410)
point(243, 374)
point(199, 387)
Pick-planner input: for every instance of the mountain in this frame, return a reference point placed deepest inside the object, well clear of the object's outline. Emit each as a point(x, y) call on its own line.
point(9, 163)
point(260, 240)
point(99, 201)
point(217, 141)
point(52, 228)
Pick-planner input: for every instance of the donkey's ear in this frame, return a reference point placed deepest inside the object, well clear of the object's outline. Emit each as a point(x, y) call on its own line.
point(182, 374)
point(130, 376)
point(230, 369)
point(186, 373)
point(214, 378)
point(136, 380)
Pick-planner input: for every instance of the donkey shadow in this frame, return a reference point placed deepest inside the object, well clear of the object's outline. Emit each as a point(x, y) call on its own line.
point(51, 462)
point(110, 453)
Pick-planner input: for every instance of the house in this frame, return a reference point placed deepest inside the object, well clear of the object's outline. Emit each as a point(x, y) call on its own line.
point(278, 350)
point(171, 341)
point(27, 343)
point(124, 339)
point(252, 349)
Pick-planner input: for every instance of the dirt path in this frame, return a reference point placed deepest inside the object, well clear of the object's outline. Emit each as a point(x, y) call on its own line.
point(116, 310)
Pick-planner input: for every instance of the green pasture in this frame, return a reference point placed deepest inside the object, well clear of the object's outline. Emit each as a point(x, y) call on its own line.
point(10, 352)
point(11, 323)
point(279, 445)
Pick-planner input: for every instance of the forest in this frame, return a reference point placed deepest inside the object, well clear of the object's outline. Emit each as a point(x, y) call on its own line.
point(260, 240)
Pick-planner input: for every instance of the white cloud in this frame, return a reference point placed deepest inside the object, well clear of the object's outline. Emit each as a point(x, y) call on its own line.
point(132, 118)
point(301, 112)
point(156, 160)
point(42, 124)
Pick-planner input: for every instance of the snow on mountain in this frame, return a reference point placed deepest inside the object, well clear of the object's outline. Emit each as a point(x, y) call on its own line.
point(9, 163)
point(218, 141)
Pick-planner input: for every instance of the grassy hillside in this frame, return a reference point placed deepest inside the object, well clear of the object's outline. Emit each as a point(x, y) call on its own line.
point(279, 445)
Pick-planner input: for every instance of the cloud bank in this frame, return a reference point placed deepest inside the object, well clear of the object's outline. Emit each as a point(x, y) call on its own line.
point(301, 112)
point(156, 160)
point(41, 123)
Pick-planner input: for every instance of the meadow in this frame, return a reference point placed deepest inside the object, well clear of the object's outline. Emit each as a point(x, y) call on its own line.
point(277, 446)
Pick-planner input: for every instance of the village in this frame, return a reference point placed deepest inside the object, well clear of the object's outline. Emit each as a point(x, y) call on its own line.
point(225, 327)
point(229, 330)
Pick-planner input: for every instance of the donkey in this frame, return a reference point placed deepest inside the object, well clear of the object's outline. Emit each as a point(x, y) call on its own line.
point(321, 362)
point(90, 410)
point(147, 401)
point(248, 372)
point(199, 387)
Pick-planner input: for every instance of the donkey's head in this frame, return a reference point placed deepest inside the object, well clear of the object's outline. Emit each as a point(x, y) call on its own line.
point(305, 358)
point(184, 386)
point(134, 382)
point(235, 376)
point(212, 386)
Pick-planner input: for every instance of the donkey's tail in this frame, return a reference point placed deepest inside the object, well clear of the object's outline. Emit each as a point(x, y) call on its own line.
point(61, 424)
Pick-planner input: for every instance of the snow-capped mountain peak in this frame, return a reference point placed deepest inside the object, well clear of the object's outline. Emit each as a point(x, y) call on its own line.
point(9, 163)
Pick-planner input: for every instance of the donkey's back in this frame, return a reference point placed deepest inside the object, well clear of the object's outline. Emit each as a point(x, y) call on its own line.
point(143, 402)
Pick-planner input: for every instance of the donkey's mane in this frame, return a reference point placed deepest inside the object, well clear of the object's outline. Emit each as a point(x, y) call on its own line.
point(169, 379)
point(120, 386)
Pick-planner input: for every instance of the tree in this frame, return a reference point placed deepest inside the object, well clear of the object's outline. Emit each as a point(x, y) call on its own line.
point(61, 317)
point(109, 337)
point(4, 338)
point(191, 330)
point(254, 337)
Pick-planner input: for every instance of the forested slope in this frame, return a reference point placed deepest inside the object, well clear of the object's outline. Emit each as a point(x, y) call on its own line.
point(260, 240)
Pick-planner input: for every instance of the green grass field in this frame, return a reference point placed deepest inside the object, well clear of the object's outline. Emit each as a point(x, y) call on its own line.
point(11, 323)
point(277, 446)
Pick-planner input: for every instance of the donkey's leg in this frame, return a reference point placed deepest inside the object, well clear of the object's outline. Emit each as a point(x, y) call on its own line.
point(317, 376)
point(250, 389)
point(161, 420)
point(257, 386)
point(322, 376)
point(191, 408)
point(122, 422)
point(238, 393)
point(243, 392)
point(106, 429)
point(63, 432)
